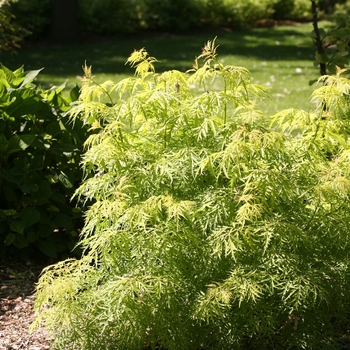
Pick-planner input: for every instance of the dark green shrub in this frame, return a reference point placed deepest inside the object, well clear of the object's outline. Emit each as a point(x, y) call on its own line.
point(245, 13)
point(291, 9)
point(110, 16)
point(171, 15)
point(11, 33)
point(213, 226)
point(34, 16)
point(39, 168)
point(332, 45)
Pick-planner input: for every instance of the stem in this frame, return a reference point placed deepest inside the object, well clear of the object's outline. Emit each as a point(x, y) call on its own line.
point(318, 41)
point(225, 108)
point(105, 91)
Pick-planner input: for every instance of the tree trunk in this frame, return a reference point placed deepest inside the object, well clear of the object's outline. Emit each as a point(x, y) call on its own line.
point(64, 21)
point(318, 41)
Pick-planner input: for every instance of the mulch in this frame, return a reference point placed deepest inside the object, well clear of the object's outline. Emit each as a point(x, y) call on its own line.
point(17, 286)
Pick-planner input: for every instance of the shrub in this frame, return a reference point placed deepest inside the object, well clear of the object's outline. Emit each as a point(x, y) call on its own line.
point(34, 16)
point(245, 13)
point(39, 168)
point(211, 225)
point(11, 33)
point(108, 17)
point(292, 9)
point(172, 15)
point(332, 45)
point(111, 17)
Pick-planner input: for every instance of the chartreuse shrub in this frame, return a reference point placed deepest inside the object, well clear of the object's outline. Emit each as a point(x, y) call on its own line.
point(39, 167)
point(212, 226)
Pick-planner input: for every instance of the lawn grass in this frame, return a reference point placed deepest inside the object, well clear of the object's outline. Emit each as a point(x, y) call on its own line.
point(272, 55)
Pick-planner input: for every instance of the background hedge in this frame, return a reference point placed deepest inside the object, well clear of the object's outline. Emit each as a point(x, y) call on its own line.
point(110, 17)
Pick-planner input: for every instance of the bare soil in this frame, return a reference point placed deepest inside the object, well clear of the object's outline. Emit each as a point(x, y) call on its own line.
point(17, 284)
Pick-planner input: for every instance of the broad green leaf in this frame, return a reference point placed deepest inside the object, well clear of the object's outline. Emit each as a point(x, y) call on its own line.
point(65, 181)
point(32, 237)
point(43, 194)
point(63, 220)
point(17, 226)
point(29, 187)
point(74, 93)
point(19, 143)
point(26, 140)
point(58, 197)
point(10, 76)
point(29, 216)
point(13, 145)
point(48, 248)
point(10, 238)
point(10, 193)
point(30, 77)
point(3, 145)
point(3, 78)
point(14, 175)
point(20, 241)
point(322, 58)
point(3, 91)
point(54, 128)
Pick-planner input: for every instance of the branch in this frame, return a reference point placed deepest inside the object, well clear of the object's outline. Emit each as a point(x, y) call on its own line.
point(318, 41)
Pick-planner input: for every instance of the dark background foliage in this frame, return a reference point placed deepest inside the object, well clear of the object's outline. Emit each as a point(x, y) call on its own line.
point(121, 17)
point(39, 168)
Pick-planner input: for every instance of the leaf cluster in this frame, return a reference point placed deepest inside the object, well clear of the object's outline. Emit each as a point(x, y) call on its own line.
point(39, 167)
point(332, 45)
point(11, 33)
point(211, 225)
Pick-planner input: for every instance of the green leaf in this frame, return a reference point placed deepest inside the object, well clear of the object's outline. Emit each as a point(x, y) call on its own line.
point(10, 238)
point(29, 216)
point(58, 197)
point(29, 187)
point(19, 143)
point(2, 215)
point(17, 226)
point(48, 248)
point(10, 76)
point(43, 194)
point(20, 241)
point(54, 128)
point(65, 181)
point(3, 145)
point(3, 77)
point(74, 93)
point(14, 175)
point(10, 194)
point(3, 90)
point(32, 237)
point(322, 58)
point(30, 76)
point(13, 145)
point(26, 140)
point(63, 221)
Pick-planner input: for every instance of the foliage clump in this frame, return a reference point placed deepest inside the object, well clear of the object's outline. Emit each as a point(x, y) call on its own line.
point(11, 33)
point(108, 17)
point(39, 167)
point(212, 225)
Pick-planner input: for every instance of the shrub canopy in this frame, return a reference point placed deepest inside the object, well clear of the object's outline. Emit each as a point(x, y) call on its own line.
point(213, 226)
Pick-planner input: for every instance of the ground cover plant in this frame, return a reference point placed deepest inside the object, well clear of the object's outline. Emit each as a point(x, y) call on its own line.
point(272, 55)
point(212, 226)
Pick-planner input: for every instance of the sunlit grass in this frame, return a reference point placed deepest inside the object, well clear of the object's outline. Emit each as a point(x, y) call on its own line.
point(273, 56)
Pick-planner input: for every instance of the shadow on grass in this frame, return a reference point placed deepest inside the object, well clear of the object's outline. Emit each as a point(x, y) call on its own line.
point(108, 55)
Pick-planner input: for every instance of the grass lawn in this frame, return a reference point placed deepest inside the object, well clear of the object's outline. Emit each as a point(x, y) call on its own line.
point(272, 55)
